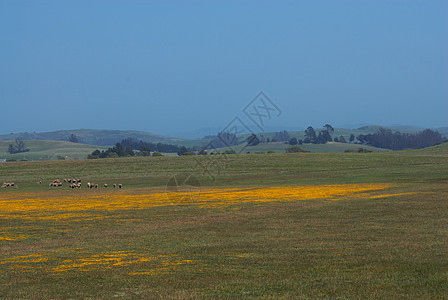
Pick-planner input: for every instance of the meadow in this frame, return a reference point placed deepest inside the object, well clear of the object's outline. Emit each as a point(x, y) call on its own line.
point(302, 225)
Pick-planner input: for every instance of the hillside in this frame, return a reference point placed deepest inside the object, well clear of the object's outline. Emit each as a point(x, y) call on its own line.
point(92, 136)
point(49, 150)
point(111, 137)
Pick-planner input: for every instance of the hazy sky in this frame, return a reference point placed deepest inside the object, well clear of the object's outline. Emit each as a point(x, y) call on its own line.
point(173, 66)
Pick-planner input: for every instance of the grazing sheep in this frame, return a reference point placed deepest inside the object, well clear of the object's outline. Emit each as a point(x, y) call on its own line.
point(120, 186)
point(79, 180)
point(105, 185)
point(39, 182)
point(115, 185)
point(65, 180)
point(96, 185)
point(79, 185)
point(88, 184)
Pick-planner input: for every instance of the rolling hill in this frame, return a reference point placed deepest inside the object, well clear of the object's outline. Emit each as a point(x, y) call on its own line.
point(98, 138)
point(92, 136)
point(49, 150)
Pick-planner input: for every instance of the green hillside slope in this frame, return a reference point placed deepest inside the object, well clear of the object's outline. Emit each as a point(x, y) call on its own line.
point(49, 150)
point(92, 136)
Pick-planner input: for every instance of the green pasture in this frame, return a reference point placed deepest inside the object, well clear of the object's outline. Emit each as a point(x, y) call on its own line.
point(382, 248)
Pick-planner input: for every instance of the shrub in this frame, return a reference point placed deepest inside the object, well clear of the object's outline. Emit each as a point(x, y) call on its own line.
point(295, 149)
point(112, 155)
point(229, 151)
point(157, 154)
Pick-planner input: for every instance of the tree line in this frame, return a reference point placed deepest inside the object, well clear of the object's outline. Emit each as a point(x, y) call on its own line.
point(385, 138)
point(131, 147)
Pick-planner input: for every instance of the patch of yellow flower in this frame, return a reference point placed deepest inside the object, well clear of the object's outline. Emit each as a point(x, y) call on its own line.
point(6, 236)
point(88, 206)
point(83, 261)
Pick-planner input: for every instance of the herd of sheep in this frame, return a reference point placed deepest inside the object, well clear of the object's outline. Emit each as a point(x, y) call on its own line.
point(76, 184)
point(9, 184)
point(73, 184)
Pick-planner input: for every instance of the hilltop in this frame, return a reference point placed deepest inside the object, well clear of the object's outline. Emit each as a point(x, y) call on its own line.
point(92, 136)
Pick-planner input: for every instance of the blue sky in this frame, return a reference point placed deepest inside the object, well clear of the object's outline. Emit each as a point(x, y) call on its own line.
point(175, 66)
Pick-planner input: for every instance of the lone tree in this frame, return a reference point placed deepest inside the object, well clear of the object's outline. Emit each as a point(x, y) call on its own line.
point(293, 141)
point(329, 128)
point(352, 137)
point(73, 138)
point(310, 135)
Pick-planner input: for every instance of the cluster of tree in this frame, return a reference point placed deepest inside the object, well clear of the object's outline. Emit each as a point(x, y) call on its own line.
point(116, 151)
point(223, 139)
point(281, 136)
point(145, 146)
point(340, 139)
point(130, 147)
point(323, 136)
point(385, 138)
point(19, 147)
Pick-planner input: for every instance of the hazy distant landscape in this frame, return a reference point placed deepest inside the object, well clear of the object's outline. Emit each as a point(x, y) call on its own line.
point(56, 145)
point(223, 149)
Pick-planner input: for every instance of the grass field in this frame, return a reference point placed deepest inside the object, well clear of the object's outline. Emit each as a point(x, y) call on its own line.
point(305, 225)
point(49, 150)
point(280, 147)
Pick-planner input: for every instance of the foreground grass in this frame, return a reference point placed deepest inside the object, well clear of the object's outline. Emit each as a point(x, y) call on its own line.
point(383, 246)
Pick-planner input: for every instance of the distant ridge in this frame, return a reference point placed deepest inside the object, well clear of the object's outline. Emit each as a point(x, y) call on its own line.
point(92, 136)
point(111, 137)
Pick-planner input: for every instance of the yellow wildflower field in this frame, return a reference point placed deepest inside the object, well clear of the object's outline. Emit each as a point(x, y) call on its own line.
point(86, 205)
point(56, 205)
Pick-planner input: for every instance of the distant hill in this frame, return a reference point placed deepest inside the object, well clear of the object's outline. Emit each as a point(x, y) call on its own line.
point(347, 132)
point(111, 137)
point(93, 136)
point(49, 150)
